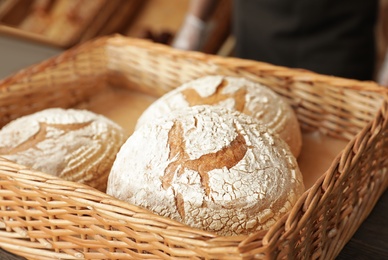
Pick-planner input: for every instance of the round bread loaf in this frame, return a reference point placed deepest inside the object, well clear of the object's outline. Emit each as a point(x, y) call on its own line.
point(211, 168)
point(236, 93)
point(76, 145)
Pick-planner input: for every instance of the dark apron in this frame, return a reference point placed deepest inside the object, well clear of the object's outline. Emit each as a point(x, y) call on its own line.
point(333, 37)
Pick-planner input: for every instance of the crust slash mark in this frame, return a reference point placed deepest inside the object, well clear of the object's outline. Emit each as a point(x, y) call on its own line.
point(193, 98)
point(180, 205)
point(41, 136)
point(227, 157)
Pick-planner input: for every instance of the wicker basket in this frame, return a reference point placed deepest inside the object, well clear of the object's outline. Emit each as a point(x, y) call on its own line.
point(43, 217)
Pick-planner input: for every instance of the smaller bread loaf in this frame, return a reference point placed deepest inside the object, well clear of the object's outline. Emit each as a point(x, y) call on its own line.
point(211, 168)
point(76, 145)
point(236, 93)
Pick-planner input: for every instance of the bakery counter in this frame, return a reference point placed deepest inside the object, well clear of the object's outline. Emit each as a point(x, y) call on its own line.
point(369, 242)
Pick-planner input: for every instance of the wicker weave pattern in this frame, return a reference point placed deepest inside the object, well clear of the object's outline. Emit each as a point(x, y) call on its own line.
point(43, 217)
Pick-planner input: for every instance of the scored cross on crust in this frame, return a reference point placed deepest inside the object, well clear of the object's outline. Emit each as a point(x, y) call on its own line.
point(193, 97)
point(227, 157)
point(234, 93)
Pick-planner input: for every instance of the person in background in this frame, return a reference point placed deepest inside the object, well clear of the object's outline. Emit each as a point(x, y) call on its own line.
point(325, 36)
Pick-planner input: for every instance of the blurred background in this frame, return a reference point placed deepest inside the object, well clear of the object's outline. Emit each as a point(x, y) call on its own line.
point(33, 30)
point(51, 26)
point(65, 23)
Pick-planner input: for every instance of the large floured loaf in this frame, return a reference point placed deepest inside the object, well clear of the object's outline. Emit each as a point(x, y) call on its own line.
point(236, 93)
point(76, 145)
point(211, 168)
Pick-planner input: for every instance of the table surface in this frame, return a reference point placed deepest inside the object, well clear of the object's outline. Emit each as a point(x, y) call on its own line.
point(369, 242)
